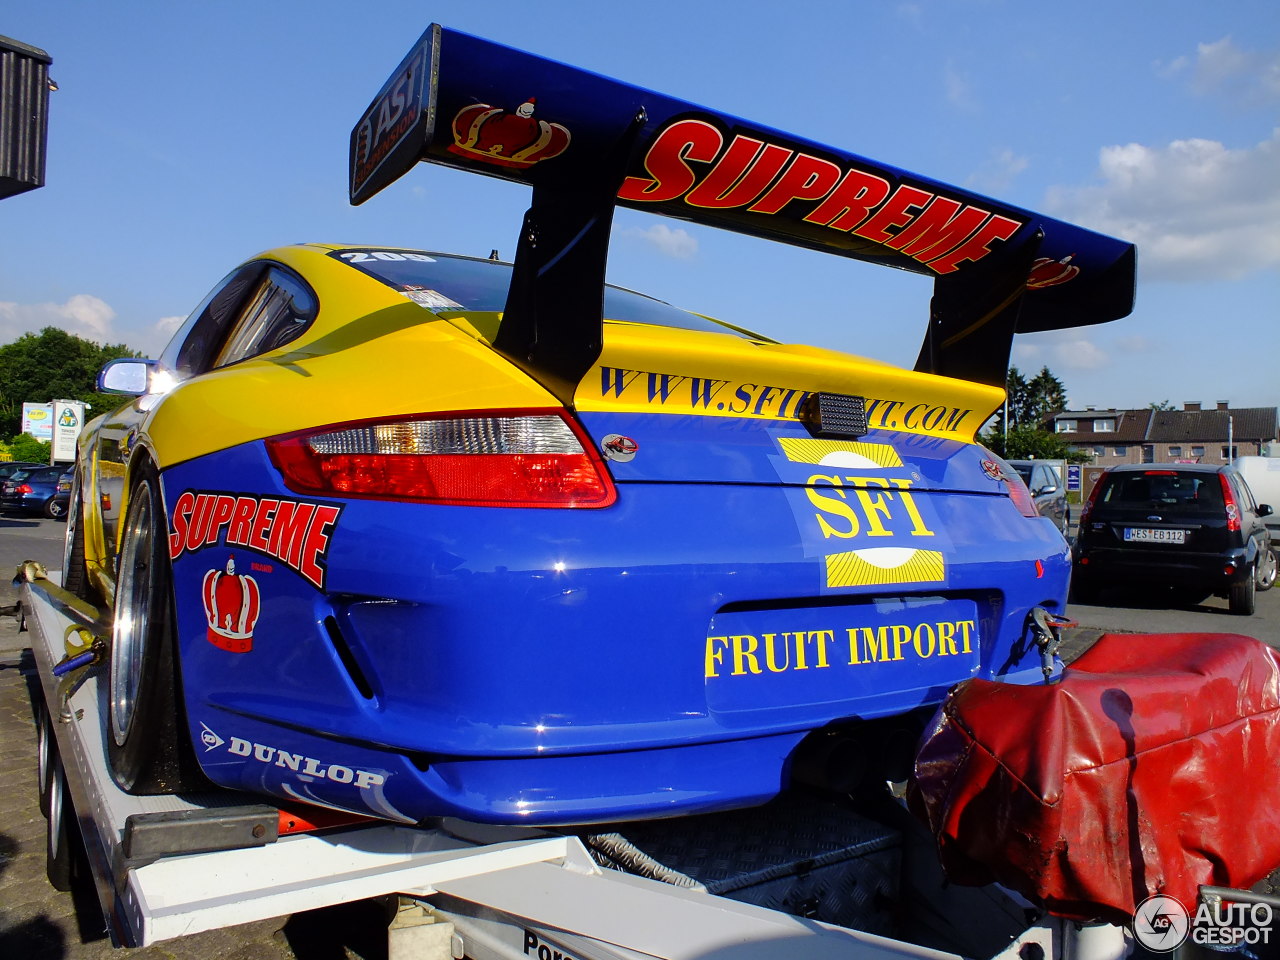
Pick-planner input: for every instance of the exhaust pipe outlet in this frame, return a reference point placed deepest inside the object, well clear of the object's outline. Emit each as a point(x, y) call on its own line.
point(866, 753)
point(831, 760)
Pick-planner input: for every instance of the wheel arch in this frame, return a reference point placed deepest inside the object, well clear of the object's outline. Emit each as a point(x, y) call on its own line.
point(101, 556)
point(141, 457)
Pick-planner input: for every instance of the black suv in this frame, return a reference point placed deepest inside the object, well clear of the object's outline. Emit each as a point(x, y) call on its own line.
point(1191, 526)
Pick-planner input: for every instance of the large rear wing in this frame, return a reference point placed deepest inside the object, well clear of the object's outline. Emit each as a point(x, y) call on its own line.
point(586, 143)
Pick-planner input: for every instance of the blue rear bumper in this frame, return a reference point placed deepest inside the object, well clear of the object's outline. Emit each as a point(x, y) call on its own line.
point(664, 655)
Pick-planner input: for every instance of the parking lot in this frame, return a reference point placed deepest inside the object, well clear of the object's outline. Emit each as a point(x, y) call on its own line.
point(38, 923)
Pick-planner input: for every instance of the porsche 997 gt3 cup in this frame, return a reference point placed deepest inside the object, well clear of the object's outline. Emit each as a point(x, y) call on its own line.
point(413, 534)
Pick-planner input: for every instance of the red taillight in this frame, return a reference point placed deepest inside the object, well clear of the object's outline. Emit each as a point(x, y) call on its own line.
point(488, 459)
point(1021, 497)
point(1229, 498)
point(1087, 508)
point(26, 488)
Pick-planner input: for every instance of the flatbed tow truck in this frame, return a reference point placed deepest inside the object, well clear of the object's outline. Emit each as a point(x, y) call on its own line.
point(169, 866)
point(775, 882)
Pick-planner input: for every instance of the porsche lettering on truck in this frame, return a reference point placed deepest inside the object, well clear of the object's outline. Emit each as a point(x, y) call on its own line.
point(441, 536)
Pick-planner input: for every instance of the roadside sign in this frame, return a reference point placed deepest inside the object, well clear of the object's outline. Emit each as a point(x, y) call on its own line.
point(68, 419)
point(1073, 476)
point(37, 421)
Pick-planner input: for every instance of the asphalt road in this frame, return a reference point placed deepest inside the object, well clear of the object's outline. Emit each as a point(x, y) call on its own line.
point(38, 923)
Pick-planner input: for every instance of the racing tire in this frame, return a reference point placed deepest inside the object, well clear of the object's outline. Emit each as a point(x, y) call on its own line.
point(55, 509)
point(1265, 574)
point(75, 577)
point(1242, 599)
point(148, 748)
point(60, 825)
point(44, 755)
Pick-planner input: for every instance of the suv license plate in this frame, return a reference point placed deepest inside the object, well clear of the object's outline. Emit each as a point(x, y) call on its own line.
point(1145, 535)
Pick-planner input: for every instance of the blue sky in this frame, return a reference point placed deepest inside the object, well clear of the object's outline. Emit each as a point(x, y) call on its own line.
point(185, 138)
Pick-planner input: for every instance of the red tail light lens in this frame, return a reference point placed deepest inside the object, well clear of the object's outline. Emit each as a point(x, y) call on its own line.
point(26, 488)
point(1021, 497)
point(1233, 508)
point(487, 459)
point(1093, 498)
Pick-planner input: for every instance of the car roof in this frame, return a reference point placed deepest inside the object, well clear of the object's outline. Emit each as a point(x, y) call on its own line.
point(1185, 467)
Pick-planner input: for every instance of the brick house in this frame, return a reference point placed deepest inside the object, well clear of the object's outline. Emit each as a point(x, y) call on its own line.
point(1162, 436)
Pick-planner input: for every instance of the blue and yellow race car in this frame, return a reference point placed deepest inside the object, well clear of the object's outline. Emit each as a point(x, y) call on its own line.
point(411, 534)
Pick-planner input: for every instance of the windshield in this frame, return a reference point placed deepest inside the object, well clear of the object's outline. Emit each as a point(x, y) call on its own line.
point(443, 282)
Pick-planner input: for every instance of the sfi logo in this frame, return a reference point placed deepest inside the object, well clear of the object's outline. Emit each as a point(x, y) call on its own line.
point(1161, 923)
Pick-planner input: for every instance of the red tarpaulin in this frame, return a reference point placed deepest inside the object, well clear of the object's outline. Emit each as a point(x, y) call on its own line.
point(1152, 767)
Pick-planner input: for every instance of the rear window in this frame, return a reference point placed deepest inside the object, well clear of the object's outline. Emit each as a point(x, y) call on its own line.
point(1170, 490)
point(36, 473)
point(443, 282)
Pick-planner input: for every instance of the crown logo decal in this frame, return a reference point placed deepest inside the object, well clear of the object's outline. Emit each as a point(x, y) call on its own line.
point(231, 608)
point(494, 135)
point(1047, 272)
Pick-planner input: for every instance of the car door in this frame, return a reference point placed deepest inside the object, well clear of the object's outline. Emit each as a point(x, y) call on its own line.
point(1044, 486)
point(1251, 524)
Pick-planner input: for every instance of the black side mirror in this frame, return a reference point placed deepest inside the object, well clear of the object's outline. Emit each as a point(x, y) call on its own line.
point(1264, 510)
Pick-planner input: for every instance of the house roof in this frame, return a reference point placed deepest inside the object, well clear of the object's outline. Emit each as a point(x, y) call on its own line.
point(1131, 426)
point(1257, 424)
point(1247, 423)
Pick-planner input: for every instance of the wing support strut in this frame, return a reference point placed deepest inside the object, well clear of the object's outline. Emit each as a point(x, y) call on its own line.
point(552, 326)
point(973, 316)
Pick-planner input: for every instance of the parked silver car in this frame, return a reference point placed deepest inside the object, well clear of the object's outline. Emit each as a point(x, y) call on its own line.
point(1048, 490)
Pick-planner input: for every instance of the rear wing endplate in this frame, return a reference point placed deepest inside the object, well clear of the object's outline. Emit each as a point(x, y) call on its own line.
point(586, 143)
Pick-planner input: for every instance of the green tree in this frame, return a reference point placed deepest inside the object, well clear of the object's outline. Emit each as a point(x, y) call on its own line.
point(1018, 390)
point(1046, 396)
point(1029, 402)
point(26, 447)
point(1010, 413)
point(1028, 443)
point(1162, 405)
point(52, 365)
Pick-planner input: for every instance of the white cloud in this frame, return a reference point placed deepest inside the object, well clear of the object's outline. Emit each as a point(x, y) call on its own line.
point(1174, 67)
point(1059, 350)
point(1196, 209)
point(83, 314)
point(1224, 67)
point(998, 172)
point(677, 243)
point(959, 90)
point(911, 13)
point(1137, 344)
point(161, 331)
